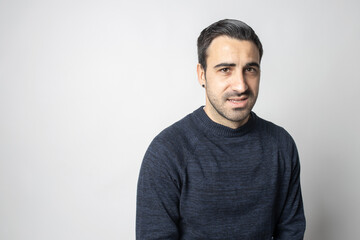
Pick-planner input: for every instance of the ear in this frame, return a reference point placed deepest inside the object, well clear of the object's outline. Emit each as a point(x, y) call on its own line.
point(200, 74)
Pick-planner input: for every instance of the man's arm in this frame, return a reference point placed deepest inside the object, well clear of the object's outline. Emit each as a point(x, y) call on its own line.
point(158, 195)
point(291, 224)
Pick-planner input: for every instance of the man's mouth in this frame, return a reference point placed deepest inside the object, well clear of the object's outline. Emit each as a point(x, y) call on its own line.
point(238, 101)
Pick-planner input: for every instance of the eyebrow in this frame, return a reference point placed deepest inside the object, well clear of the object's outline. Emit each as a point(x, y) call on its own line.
point(250, 64)
point(225, 65)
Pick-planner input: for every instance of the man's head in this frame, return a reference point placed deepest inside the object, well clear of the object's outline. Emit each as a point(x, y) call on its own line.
point(229, 70)
point(226, 27)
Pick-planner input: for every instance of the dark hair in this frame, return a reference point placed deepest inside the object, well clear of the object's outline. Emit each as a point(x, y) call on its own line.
point(226, 27)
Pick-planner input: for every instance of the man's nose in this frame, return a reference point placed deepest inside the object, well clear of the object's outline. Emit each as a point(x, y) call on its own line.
point(239, 83)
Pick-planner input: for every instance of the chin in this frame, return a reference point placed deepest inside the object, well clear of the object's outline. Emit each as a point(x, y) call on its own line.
point(238, 117)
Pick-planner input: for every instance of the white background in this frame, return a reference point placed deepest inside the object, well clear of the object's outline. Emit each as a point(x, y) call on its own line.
point(86, 85)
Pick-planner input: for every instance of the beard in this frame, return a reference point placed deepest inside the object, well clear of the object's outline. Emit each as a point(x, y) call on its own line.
point(233, 114)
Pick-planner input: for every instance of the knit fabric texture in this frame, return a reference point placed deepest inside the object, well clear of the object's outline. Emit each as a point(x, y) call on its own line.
point(202, 180)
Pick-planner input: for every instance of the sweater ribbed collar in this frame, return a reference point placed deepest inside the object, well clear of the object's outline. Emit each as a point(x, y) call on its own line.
point(213, 128)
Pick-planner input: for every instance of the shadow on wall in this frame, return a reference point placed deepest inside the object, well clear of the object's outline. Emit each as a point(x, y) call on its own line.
point(328, 206)
point(323, 227)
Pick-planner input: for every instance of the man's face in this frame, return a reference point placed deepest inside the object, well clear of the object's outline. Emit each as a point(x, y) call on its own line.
point(231, 80)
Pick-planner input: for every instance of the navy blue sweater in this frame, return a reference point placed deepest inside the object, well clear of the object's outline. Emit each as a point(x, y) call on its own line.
point(202, 180)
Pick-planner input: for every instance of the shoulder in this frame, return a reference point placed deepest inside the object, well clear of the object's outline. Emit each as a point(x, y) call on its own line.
point(172, 144)
point(277, 137)
point(177, 134)
point(273, 131)
point(280, 141)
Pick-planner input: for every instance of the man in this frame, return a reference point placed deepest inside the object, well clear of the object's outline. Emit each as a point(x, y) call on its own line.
point(222, 172)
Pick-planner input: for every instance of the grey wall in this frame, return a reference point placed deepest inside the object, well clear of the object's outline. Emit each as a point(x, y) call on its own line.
point(86, 85)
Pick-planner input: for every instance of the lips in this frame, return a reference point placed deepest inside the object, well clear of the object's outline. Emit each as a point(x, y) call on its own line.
point(238, 101)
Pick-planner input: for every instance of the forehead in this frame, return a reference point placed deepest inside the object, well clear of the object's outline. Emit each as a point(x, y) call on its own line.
point(227, 49)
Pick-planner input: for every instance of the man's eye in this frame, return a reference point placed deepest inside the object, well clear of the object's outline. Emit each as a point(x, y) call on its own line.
point(250, 69)
point(225, 70)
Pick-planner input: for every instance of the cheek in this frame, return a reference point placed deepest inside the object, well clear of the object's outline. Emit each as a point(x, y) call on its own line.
point(254, 85)
point(217, 85)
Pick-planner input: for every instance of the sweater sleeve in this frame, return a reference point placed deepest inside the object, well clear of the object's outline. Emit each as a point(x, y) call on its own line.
point(158, 194)
point(291, 224)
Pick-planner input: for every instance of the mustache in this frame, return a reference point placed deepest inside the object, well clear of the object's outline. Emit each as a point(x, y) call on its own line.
point(237, 94)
